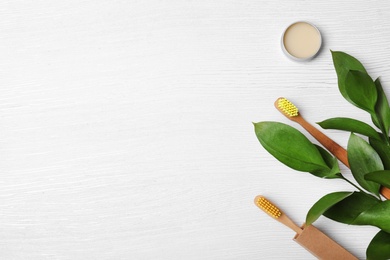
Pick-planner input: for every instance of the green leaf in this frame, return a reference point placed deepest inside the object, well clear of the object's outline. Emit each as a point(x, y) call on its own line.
point(382, 109)
point(381, 177)
point(348, 209)
point(363, 159)
point(379, 247)
point(378, 215)
point(361, 209)
point(331, 161)
point(361, 90)
point(292, 148)
point(324, 204)
point(343, 63)
point(383, 150)
point(350, 125)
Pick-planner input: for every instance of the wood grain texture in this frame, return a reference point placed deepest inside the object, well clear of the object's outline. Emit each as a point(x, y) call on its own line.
point(126, 125)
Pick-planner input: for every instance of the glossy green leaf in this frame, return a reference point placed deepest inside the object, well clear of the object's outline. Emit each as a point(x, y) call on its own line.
point(292, 148)
point(383, 150)
point(350, 125)
point(348, 209)
point(378, 215)
point(361, 89)
point(361, 209)
point(363, 159)
point(331, 161)
point(380, 177)
point(379, 247)
point(343, 63)
point(324, 204)
point(375, 120)
point(382, 109)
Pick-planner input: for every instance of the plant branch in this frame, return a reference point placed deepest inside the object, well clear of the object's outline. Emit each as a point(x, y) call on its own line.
point(353, 184)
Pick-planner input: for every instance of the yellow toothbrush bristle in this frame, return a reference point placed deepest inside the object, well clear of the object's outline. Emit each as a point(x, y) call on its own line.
point(287, 107)
point(268, 207)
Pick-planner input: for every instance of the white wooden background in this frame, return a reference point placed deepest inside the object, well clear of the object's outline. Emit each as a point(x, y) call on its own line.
point(126, 126)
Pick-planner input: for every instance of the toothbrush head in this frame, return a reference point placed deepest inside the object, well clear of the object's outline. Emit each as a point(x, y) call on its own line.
point(286, 107)
point(267, 207)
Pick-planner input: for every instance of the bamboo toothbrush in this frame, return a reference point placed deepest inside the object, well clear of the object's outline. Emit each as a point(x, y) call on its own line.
point(311, 238)
point(291, 112)
point(275, 213)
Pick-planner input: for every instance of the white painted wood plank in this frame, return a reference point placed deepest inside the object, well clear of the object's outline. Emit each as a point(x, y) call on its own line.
point(126, 125)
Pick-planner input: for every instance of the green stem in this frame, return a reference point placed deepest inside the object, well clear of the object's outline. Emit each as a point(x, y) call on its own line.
point(353, 184)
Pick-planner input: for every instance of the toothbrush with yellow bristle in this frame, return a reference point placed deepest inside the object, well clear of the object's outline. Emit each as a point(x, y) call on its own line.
point(291, 112)
point(309, 237)
point(269, 208)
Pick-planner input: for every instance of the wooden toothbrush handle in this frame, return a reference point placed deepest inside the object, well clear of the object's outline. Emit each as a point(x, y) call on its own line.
point(385, 192)
point(289, 223)
point(329, 144)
